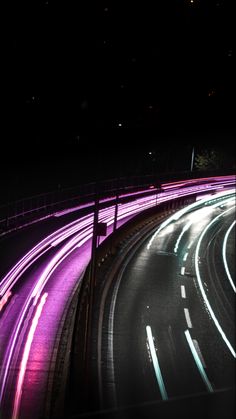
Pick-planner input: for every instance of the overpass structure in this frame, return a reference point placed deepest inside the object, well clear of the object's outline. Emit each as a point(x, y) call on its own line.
point(45, 274)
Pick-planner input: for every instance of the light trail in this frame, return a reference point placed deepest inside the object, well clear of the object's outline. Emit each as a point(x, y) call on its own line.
point(195, 342)
point(26, 356)
point(186, 228)
point(156, 365)
point(177, 215)
point(53, 239)
point(5, 299)
point(222, 196)
point(190, 244)
point(198, 362)
point(125, 210)
point(56, 238)
point(26, 261)
point(82, 231)
point(202, 288)
point(224, 256)
point(224, 179)
point(187, 318)
point(185, 257)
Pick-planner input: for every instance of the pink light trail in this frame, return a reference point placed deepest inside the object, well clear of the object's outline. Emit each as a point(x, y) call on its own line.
point(25, 356)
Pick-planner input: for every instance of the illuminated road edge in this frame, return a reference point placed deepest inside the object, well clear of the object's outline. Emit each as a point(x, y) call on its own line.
point(224, 256)
point(201, 286)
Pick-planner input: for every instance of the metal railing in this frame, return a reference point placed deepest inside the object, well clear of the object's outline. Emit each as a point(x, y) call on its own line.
point(17, 213)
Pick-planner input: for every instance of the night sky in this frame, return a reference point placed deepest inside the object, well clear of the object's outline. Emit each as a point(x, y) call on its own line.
point(93, 87)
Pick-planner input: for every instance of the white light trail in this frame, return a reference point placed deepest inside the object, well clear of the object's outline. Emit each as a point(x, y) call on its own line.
point(25, 356)
point(156, 364)
point(186, 227)
point(202, 288)
point(190, 244)
point(177, 215)
point(198, 362)
point(195, 342)
point(182, 270)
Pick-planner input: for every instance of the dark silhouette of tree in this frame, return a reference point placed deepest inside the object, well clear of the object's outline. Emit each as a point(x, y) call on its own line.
point(207, 159)
point(214, 158)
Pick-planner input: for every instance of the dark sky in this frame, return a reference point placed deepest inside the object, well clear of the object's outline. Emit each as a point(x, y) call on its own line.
point(93, 83)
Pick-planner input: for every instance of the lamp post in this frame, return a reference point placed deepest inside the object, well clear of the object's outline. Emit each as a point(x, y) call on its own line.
point(90, 300)
point(99, 229)
point(192, 159)
point(116, 204)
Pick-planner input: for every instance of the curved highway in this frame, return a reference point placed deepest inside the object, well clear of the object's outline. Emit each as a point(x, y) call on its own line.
point(43, 270)
point(170, 313)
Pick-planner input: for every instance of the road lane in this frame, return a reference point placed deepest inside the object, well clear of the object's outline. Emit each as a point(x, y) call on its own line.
point(41, 286)
point(159, 289)
point(27, 280)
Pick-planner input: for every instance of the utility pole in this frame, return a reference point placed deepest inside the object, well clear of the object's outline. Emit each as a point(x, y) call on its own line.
point(116, 205)
point(116, 212)
point(90, 300)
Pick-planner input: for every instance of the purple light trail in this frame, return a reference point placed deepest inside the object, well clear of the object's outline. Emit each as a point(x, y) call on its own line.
point(57, 278)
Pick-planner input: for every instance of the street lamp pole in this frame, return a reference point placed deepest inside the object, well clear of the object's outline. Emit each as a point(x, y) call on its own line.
point(116, 204)
point(91, 287)
point(192, 159)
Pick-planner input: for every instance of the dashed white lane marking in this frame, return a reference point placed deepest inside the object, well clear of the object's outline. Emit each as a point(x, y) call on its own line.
point(183, 293)
point(182, 270)
point(187, 317)
point(185, 256)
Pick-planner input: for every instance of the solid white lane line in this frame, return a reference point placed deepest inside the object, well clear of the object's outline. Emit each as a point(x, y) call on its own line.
point(224, 256)
point(187, 317)
point(183, 293)
point(198, 361)
point(156, 364)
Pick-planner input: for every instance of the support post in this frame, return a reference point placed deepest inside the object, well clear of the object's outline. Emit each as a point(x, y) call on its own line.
point(91, 286)
point(116, 213)
point(116, 207)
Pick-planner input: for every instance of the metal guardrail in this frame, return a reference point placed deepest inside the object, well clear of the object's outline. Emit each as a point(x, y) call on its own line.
point(17, 213)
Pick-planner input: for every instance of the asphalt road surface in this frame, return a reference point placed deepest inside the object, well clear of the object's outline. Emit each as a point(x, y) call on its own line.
point(170, 314)
point(41, 271)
